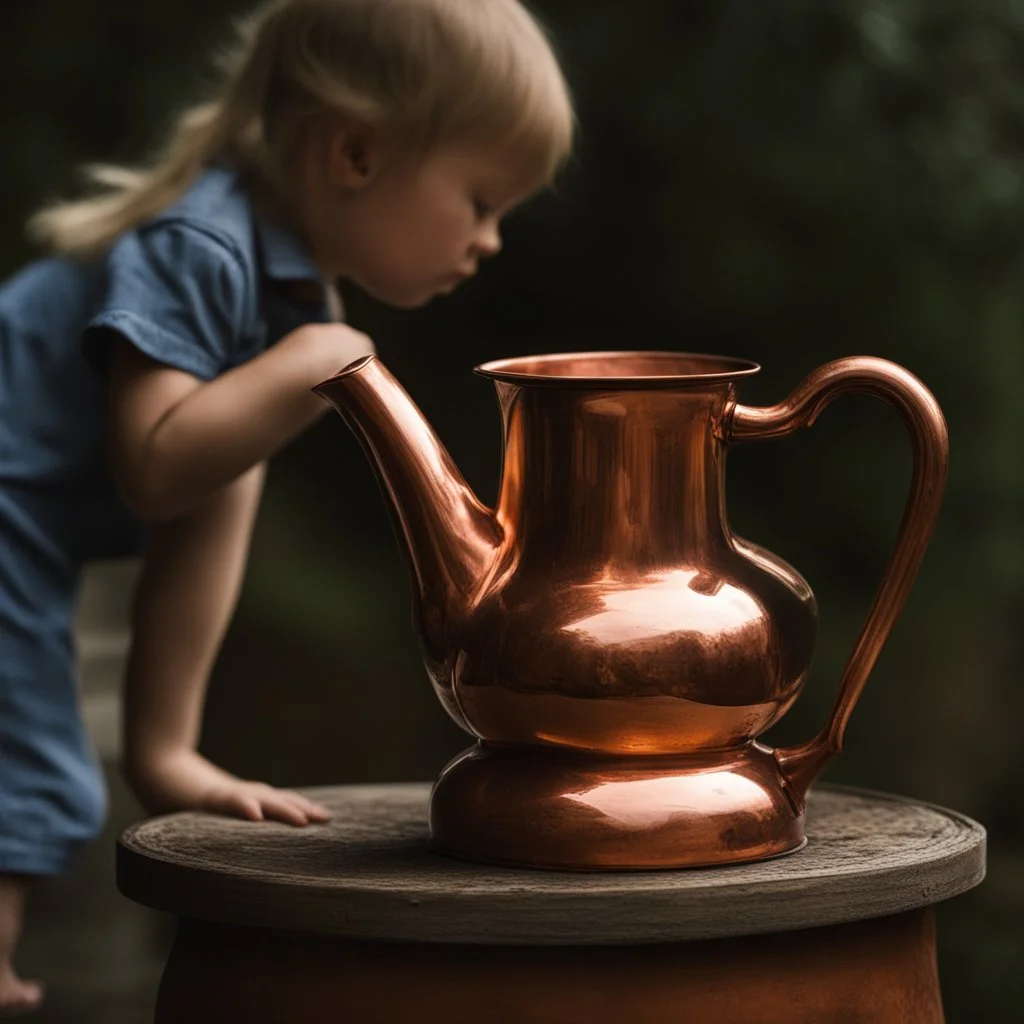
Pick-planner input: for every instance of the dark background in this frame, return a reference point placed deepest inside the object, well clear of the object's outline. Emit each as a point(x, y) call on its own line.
point(784, 180)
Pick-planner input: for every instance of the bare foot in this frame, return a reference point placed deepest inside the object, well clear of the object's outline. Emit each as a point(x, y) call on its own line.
point(18, 996)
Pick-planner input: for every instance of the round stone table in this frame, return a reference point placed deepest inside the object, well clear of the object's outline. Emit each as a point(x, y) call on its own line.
point(360, 921)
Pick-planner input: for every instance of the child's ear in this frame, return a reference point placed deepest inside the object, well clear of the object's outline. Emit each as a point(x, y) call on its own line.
point(353, 155)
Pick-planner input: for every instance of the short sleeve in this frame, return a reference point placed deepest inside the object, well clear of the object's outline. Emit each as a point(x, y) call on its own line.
point(178, 293)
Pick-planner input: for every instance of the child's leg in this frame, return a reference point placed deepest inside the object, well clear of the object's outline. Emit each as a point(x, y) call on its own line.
point(16, 995)
point(52, 798)
point(52, 802)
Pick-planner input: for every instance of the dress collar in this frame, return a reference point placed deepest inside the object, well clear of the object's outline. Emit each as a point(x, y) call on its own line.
point(284, 257)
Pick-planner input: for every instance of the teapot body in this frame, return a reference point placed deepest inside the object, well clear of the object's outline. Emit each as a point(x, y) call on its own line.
point(623, 616)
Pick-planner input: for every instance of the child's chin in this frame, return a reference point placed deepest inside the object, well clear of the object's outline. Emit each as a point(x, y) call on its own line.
point(406, 300)
point(417, 303)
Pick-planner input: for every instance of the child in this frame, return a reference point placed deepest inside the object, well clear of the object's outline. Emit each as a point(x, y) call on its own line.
point(167, 350)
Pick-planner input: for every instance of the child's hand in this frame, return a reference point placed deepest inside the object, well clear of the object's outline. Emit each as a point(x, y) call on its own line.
point(326, 349)
point(186, 781)
point(259, 802)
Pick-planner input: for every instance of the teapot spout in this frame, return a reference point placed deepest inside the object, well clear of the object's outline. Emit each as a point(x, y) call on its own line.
point(451, 540)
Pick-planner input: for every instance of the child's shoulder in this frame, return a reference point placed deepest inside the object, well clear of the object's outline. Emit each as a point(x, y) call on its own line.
point(217, 204)
point(204, 240)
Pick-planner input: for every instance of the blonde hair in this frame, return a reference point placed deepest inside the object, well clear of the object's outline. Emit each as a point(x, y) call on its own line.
point(423, 72)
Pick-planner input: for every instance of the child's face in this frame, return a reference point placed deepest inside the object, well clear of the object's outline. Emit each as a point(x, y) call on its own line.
point(411, 231)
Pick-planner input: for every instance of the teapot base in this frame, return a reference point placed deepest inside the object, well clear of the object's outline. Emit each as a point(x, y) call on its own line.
point(542, 807)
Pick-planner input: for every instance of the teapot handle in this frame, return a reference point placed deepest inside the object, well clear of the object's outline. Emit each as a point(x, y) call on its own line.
point(923, 418)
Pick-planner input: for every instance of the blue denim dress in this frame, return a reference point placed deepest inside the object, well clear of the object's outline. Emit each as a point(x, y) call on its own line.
point(200, 288)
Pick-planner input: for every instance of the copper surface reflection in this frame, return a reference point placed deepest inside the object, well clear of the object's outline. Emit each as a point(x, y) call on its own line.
point(613, 646)
point(666, 604)
point(647, 803)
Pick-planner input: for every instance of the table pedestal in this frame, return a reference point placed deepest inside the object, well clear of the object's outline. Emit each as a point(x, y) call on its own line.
point(881, 971)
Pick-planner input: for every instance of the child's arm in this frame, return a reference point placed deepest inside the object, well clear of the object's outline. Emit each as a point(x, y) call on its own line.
point(187, 456)
point(176, 440)
point(190, 581)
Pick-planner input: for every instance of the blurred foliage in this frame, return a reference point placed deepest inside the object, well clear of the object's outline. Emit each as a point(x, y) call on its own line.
point(786, 180)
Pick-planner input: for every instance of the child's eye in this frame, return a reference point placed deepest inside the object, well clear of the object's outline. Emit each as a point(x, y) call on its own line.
point(482, 210)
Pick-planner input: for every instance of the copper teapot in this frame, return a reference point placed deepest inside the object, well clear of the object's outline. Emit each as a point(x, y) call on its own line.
point(613, 646)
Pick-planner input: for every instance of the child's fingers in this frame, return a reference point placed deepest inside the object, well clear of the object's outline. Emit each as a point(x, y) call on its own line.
point(260, 802)
point(314, 811)
point(278, 806)
point(237, 802)
point(250, 808)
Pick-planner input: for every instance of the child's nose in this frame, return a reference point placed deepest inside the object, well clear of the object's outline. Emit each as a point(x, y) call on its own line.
point(488, 239)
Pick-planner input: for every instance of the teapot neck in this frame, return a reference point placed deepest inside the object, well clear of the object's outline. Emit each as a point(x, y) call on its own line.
point(614, 477)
